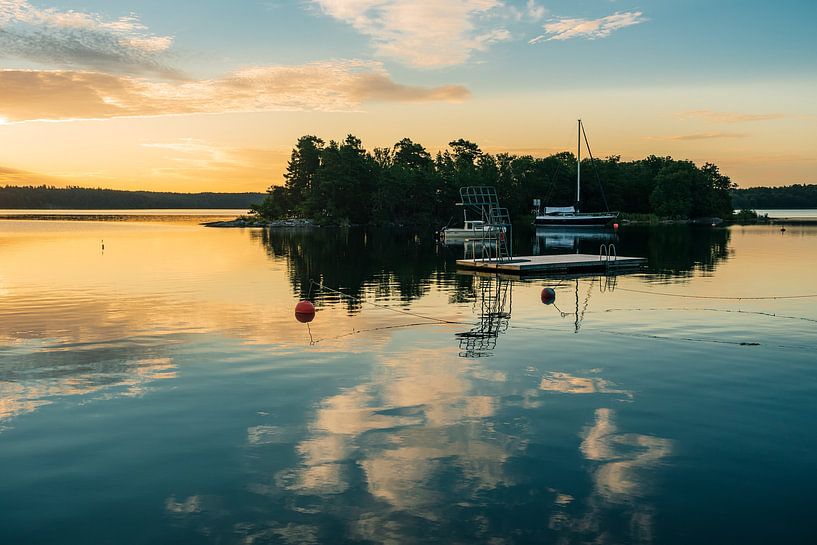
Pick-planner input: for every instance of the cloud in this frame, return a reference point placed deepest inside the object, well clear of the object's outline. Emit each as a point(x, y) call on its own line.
point(78, 39)
point(324, 86)
point(535, 11)
point(423, 33)
point(530, 12)
point(727, 117)
point(13, 176)
point(698, 136)
point(564, 28)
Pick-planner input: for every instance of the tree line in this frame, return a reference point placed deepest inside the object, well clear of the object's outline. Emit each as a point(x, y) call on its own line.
point(791, 196)
point(341, 182)
point(84, 198)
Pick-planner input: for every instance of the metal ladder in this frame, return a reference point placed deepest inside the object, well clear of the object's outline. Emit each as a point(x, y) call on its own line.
point(483, 201)
point(607, 252)
point(500, 222)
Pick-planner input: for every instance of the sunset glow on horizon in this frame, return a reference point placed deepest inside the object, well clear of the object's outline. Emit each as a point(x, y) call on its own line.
point(209, 96)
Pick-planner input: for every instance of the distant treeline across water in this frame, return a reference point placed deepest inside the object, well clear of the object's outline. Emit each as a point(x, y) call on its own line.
point(84, 198)
point(789, 196)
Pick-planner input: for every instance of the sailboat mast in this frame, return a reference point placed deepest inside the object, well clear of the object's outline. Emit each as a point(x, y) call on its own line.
point(579, 168)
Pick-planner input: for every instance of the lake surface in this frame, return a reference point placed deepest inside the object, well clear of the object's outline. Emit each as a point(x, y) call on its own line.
point(162, 391)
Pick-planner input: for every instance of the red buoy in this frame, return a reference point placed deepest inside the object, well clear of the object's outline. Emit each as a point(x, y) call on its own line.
point(304, 311)
point(548, 296)
point(615, 226)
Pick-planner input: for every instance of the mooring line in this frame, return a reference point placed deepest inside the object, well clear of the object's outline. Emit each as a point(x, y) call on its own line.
point(356, 331)
point(753, 298)
point(664, 338)
point(385, 307)
point(704, 309)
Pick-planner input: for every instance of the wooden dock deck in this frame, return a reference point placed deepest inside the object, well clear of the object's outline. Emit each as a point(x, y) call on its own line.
point(551, 263)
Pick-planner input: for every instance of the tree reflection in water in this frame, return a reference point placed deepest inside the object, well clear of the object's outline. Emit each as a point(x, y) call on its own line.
point(393, 264)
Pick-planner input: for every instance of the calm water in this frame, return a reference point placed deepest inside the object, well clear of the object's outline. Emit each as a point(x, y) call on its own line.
point(161, 390)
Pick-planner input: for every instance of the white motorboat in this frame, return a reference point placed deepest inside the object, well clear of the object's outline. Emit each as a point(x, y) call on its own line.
point(471, 229)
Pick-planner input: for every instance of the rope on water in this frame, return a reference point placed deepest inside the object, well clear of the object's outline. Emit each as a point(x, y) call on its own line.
point(667, 338)
point(725, 310)
point(381, 328)
point(721, 297)
point(385, 307)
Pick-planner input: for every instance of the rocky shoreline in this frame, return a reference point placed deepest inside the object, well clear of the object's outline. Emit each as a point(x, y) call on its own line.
point(249, 222)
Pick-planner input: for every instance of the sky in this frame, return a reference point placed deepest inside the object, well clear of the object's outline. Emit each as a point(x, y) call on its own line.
point(211, 95)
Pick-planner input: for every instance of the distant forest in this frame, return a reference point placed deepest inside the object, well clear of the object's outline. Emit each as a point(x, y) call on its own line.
point(343, 182)
point(83, 198)
point(790, 196)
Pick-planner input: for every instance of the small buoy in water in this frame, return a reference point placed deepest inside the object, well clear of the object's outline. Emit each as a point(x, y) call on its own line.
point(615, 226)
point(304, 311)
point(548, 296)
point(782, 229)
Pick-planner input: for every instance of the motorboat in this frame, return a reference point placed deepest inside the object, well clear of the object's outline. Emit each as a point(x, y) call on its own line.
point(471, 229)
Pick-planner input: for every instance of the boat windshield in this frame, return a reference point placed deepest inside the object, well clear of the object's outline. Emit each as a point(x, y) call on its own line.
point(559, 210)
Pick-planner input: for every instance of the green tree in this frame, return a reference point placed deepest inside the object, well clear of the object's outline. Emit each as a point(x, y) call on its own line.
point(672, 195)
point(302, 168)
point(342, 182)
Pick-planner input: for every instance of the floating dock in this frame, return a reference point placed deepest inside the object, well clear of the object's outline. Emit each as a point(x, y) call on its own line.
point(551, 263)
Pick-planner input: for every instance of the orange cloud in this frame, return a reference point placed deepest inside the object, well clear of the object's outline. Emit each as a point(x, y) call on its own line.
point(13, 176)
point(324, 86)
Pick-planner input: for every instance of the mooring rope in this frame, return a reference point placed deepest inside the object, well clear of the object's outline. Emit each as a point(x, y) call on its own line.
point(722, 297)
point(702, 309)
point(564, 314)
point(385, 307)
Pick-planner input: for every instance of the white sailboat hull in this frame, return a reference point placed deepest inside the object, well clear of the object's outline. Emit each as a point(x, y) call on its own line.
point(574, 220)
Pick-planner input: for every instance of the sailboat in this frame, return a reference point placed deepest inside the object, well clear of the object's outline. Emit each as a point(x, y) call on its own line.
point(570, 216)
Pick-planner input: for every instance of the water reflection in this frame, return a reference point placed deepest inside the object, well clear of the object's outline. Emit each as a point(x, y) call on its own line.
point(31, 379)
point(384, 264)
point(677, 250)
point(422, 420)
point(585, 240)
point(493, 302)
point(577, 302)
point(571, 384)
point(430, 446)
point(390, 436)
point(621, 468)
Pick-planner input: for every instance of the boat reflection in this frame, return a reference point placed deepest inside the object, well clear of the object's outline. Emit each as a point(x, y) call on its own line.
point(561, 240)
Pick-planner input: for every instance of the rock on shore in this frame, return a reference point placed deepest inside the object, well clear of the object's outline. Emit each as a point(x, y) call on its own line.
point(244, 222)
